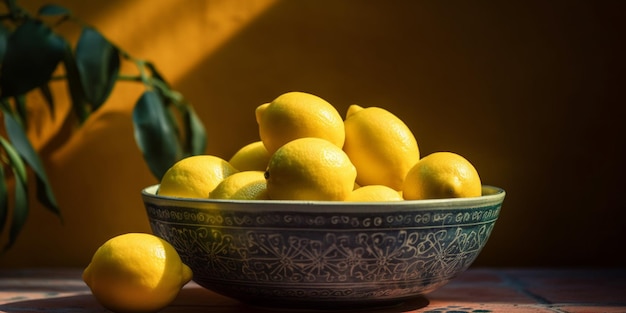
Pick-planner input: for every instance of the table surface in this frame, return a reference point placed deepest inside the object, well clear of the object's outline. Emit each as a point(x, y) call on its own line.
point(477, 290)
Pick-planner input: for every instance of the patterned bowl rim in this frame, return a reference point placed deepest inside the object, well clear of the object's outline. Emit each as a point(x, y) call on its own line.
point(491, 196)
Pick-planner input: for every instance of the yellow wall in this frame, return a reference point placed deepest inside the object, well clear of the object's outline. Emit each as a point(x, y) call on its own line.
point(526, 90)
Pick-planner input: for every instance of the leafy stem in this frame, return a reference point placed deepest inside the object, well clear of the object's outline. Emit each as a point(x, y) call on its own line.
point(166, 127)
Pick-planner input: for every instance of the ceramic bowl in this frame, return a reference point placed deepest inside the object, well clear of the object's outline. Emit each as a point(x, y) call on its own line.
point(324, 254)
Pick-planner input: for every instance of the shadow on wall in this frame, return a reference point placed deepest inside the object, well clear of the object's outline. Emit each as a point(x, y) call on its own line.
point(528, 91)
point(98, 174)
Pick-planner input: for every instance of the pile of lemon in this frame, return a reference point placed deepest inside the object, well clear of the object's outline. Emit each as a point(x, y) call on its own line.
point(307, 151)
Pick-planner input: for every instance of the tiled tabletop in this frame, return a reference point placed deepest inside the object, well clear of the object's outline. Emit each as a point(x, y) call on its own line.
point(476, 290)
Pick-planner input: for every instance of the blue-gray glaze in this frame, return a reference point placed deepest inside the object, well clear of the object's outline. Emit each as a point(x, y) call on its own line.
point(321, 254)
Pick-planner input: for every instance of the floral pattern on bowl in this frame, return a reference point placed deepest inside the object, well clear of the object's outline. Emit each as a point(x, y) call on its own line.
point(321, 254)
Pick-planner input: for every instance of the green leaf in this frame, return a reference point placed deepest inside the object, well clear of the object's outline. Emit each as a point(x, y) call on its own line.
point(12, 5)
point(46, 197)
point(19, 172)
point(4, 34)
point(27, 152)
point(20, 105)
point(33, 53)
point(98, 63)
point(196, 133)
point(47, 95)
point(4, 199)
point(20, 211)
point(53, 10)
point(75, 85)
point(19, 168)
point(155, 73)
point(5, 106)
point(154, 134)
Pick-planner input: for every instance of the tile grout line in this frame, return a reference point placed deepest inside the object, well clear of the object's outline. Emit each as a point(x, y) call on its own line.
point(517, 285)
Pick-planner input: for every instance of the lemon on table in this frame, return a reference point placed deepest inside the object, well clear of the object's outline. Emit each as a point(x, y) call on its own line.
point(442, 175)
point(195, 176)
point(246, 185)
point(136, 272)
point(374, 193)
point(310, 169)
point(251, 157)
point(295, 115)
point(380, 145)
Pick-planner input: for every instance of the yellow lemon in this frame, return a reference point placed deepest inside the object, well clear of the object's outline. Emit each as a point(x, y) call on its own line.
point(380, 145)
point(442, 175)
point(372, 193)
point(136, 272)
point(251, 157)
point(246, 185)
point(297, 115)
point(310, 169)
point(195, 176)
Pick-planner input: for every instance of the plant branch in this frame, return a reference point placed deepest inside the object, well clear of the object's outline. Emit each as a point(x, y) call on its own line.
point(131, 78)
point(92, 68)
